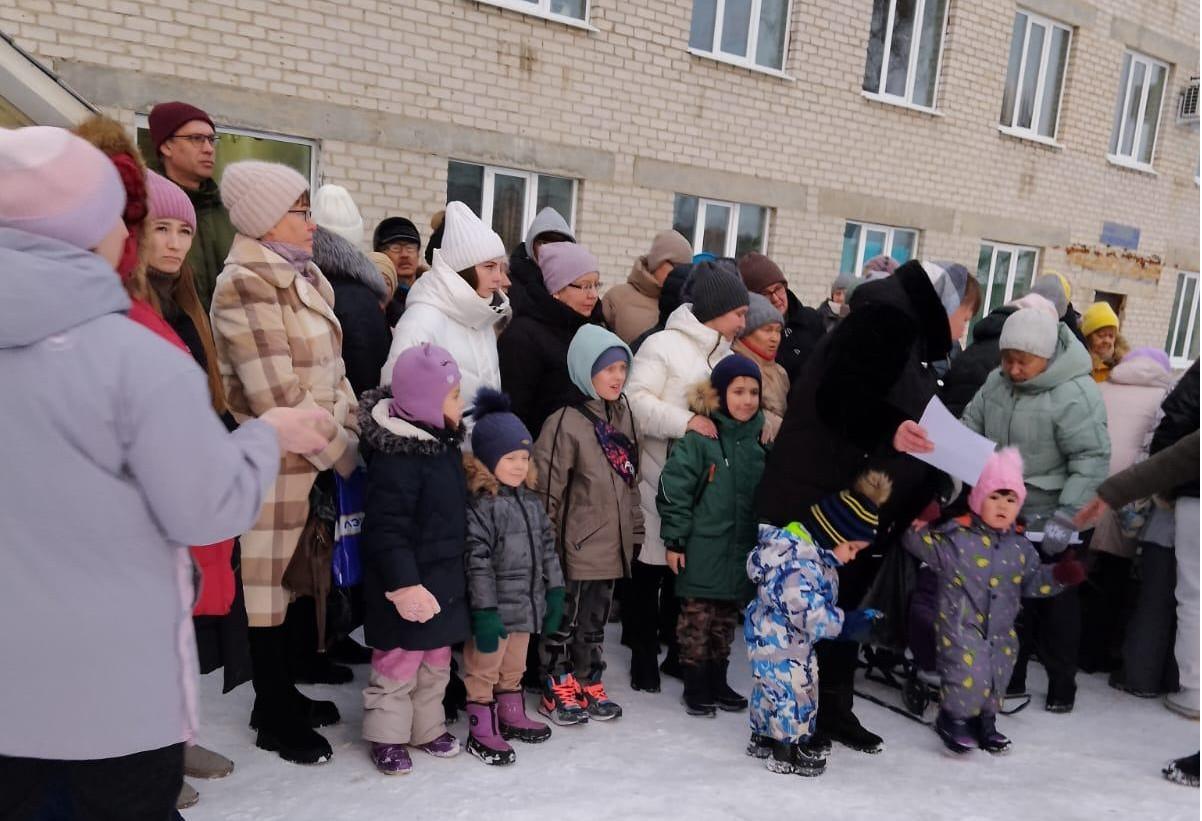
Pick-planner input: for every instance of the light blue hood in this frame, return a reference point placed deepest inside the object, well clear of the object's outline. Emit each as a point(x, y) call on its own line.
point(587, 345)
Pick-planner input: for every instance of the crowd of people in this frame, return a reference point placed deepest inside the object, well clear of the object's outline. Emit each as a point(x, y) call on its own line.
point(692, 448)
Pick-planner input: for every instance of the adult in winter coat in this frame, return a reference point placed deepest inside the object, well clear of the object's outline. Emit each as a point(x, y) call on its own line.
point(1056, 289)
point(670, 298)
point(524, 271)
point(698, 335)
point(399, 241)
point(533, 350)
point(1107, 346)
point(833, 308)
point(458, 302)
point(803, 327)
point(633, 307)
point(759, 342)
point(279, 344)
point(99, 680)
point(185, 142)
point(854, 406)
point(1043, 401)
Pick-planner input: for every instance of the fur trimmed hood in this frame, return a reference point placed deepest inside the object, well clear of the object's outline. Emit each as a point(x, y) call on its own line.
point(393, 436)
point(339, 259)
point(481, 481)
point(704, 400)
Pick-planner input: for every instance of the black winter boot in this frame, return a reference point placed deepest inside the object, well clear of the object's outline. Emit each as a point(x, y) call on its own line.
point(280, 713)
point(306, 661)
point(837, 722)
point(1062, 695)
point(697, 698)
point(644, 668)
point(726, 698)
point(988, 736)
point(671, 665)
point(1183, 771)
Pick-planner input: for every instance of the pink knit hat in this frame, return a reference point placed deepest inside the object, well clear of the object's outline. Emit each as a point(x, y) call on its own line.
point(1003, 471)
point(421, 379)
point(259, 194)
point(58, 185)
point(168, 201)
point(563, 263)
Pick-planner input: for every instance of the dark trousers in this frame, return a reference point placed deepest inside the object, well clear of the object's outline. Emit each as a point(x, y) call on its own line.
point(706, 630)
point(837, 659)
point(577, 646)
point(650, 609)
point(1051, 629)
point(138, 787)
point(1149, 664)
point(1105, 607)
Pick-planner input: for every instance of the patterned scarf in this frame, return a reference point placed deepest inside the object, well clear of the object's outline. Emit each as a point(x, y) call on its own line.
point(619, 451)
point(294, 255)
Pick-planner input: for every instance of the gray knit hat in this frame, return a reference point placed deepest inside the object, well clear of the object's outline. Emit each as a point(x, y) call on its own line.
point(843, 282)
point(714, 288)
point(1032, 331)
point(1051, 288)
point(760, 312)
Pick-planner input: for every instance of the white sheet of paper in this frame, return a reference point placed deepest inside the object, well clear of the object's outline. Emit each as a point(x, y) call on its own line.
point(958, 451)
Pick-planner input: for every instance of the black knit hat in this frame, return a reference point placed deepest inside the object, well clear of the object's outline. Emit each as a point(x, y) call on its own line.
point(394, 229)
point(851, 515)
point(715, 288)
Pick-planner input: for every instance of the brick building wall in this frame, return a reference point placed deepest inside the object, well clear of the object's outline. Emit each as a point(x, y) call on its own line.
point(392, 90)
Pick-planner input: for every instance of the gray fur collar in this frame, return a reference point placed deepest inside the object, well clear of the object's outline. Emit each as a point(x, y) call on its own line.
point(339, 259)
point(393, 436)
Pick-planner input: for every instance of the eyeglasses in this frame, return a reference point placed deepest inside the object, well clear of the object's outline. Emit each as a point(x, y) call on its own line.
point(305, 213)
point(775, 290)
point(198, 140)
point(591, 288)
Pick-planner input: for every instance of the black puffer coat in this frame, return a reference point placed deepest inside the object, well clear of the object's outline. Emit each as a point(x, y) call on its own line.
point(533, 354)
point(511, 556)
point(803, 328)
point(358, 290)
point(970, 369)
point(414, 527)
point(1180, 420)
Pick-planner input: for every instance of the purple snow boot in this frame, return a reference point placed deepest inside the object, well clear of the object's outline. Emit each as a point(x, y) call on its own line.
point(484, 737)
point(391, 759)
point(445, 746)
point(511, 717)
point(955, 733)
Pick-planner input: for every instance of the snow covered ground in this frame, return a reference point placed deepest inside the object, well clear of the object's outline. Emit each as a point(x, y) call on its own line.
point(1101, 761)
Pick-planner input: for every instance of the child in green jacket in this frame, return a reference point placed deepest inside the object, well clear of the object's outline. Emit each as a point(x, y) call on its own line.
point(706, 504)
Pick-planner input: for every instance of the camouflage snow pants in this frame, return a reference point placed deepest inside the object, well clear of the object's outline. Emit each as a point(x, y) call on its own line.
point(705, 630)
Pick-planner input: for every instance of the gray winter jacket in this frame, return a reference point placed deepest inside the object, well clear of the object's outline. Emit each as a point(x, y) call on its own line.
point(511, 557)
point(114, 462)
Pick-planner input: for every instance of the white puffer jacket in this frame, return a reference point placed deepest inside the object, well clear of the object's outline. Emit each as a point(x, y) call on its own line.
point(444, 310)
point(666, 367)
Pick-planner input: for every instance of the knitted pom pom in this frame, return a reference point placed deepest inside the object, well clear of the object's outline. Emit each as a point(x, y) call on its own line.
point(490, 400)
point(874, 485)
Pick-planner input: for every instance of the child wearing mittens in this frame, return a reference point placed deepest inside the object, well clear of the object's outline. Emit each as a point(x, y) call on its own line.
point(515, 585)
point(795, 569)
point(985, 566)
point(412, 546)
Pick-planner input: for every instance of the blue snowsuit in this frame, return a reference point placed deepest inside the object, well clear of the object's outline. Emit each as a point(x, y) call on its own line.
point(796, 588)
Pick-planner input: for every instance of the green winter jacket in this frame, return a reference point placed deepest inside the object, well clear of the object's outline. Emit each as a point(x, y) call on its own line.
point(214, 236)
point(706, 502)
point(1057, 421)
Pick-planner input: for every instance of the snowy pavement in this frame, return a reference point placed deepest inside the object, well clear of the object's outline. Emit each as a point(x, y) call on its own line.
point(1101, 761)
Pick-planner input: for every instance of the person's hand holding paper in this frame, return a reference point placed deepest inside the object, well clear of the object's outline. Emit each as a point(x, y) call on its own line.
point(956, 450)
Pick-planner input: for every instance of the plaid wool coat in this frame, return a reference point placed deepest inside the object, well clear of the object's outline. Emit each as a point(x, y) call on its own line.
point(279, 345)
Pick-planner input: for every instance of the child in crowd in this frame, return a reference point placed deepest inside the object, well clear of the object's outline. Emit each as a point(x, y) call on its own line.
point(795, 571)
point(514, 582)
point(588, 471)
point(985, 566)
point(412, 546)
point(706, 503)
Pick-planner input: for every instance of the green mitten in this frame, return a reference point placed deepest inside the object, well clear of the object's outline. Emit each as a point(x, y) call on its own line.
point(554, 611)
point(487, 630)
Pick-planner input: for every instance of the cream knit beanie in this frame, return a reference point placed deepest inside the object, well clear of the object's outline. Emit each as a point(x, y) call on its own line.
point(335, 211)
point(466, 241)
point(259, 194)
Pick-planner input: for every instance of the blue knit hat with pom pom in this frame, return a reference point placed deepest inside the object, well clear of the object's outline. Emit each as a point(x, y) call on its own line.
point(497, 431)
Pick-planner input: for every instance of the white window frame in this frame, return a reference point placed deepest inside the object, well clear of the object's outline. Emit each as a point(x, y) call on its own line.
point(732, 223)
point(907, 101)
point(1130, 161)
point(142, 121)
point(1180, 362)
point(1015, 250)
point(1032, 133)
point(753, 39)
point(530, 206)
point(542, 9)
point(890, 232)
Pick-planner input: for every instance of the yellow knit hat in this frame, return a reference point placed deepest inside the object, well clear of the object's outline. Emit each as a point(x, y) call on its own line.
point(1097, 316)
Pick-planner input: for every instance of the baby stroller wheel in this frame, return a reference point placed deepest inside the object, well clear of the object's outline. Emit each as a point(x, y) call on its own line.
point(916, 696)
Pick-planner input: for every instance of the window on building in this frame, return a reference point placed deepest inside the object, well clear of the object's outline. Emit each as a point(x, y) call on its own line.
point(243, 144)
point(724, 229)
point(749, 32)
point(1182, 341)
point(1035, 76)
point(862, 242)
point(508, 199)
point(1137, 112)
point(566, 11)
point(1005, 273)
point(904, 47)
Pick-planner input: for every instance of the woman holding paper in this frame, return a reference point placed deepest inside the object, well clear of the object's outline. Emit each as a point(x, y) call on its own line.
point(1043, 401)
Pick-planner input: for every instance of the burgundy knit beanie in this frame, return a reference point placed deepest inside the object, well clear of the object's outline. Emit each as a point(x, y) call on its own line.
point(760, 273)
point(167, 118)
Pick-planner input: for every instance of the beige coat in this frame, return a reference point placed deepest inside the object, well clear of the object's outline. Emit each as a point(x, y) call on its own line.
point(280, 345)
point(774, 390)
point(633, 307)
point(596, 515)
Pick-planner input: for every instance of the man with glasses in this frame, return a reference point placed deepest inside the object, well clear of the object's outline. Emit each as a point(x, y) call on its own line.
point(185, 142)
point(803, 326)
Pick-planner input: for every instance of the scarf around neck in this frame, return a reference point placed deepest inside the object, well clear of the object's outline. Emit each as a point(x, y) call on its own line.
point(294, 255)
